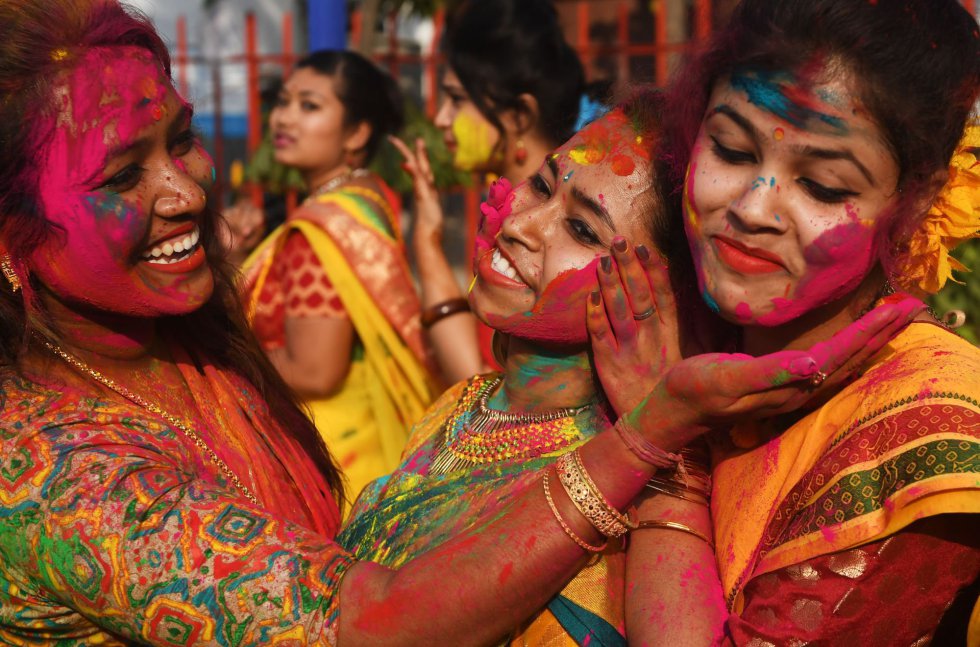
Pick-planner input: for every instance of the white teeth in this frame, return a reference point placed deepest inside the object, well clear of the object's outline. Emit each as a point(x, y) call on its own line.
point(503, 266)
point(160, 253)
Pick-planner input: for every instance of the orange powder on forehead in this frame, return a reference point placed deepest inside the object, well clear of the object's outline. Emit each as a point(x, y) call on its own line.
point(612, 138)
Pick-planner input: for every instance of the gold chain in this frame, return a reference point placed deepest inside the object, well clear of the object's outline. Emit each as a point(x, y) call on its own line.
point(109, 383)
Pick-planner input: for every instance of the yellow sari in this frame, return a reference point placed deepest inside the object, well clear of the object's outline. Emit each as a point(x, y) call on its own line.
point(366, 421)
point(900, 443)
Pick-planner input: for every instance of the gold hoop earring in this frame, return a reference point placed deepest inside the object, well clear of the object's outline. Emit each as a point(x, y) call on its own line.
point(7, 267)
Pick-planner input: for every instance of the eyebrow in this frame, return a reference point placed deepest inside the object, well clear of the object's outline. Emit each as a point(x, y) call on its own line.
point(806, 151)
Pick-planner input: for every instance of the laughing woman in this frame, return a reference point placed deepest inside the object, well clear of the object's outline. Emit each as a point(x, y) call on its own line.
point(330, 293)
point(828, 160)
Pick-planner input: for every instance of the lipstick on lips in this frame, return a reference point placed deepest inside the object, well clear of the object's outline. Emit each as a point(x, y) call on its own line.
point(745, 259)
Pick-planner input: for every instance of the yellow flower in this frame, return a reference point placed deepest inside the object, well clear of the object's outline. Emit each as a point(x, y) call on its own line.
point(953, 218)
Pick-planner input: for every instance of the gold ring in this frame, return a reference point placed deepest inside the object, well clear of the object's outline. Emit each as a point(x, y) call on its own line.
point(817, 378)
point(646, 314)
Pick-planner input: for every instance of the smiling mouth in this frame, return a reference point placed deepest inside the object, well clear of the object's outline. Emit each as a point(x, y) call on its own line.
point(502, 266)
point(174, 250)
point(744, 259)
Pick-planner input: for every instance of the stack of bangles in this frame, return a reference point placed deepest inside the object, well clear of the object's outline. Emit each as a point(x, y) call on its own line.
point(439, 311)
point(687, 478)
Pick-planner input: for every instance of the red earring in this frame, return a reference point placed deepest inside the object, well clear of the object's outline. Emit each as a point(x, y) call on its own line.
point(521, 153)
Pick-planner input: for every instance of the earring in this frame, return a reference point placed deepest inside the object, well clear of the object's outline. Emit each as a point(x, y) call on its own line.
point(7, 267)
point(521, 153)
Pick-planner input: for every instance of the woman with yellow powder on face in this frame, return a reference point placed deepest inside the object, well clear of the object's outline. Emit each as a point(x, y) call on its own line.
point(512, 91)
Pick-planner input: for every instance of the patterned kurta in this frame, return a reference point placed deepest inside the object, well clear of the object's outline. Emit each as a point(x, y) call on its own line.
point(114, 528)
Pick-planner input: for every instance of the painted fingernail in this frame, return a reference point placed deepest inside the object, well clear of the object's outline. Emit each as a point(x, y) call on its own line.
point(803, 366)
point(595, 296)
point(619, 244)
point(642, 253)
point(606, 264)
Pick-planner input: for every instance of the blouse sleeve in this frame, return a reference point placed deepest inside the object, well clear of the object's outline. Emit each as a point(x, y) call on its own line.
point(896, 591)
point(120, 531)
point(307, 290)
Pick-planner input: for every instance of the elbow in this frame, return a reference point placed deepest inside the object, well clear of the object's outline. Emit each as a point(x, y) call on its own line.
point(322, 381)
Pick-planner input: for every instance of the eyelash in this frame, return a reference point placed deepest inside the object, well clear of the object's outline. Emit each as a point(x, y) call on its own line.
point(540, 186)
point(582, 232)
point(816, 190)
point(130, 175)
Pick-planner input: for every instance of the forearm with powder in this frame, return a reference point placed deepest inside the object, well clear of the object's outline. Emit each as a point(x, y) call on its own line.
point(453, 337)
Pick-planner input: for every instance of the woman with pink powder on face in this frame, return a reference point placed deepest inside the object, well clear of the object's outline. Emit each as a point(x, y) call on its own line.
point(827, 158)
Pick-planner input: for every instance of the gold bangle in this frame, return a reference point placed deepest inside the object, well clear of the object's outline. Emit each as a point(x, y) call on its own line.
point(673, 525)
point(587, 502)
point(685, 496)
point(616, 514)
point(564, 526)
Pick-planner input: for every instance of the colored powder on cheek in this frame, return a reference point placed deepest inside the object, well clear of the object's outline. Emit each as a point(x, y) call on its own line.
point(743, 312)
point(473, 141)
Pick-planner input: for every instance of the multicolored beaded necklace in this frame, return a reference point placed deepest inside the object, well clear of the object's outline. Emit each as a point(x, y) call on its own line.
point(476, 434)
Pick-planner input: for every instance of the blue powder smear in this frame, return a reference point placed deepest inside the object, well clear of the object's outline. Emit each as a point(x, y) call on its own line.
point(765, 91)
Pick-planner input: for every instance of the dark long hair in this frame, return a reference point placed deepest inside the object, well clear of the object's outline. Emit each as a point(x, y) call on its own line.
point(367, 93)
point(914, 63)
point(501, 49)
point(39, 42)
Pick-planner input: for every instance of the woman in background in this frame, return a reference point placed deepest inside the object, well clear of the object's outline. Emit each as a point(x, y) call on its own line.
point(512, 93)
point(329, 293)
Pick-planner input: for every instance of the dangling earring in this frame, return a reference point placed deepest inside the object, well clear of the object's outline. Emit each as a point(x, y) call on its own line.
point(7, 267)
point(520, 155)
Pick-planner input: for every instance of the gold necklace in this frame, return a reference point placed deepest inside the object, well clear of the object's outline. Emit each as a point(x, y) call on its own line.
point(135, 398)
point(336, 181)
point(475, 434)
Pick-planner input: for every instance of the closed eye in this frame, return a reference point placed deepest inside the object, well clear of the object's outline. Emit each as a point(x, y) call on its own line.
point(823, 193)
point(124, 180)
point(730, 155)
point(540, 186)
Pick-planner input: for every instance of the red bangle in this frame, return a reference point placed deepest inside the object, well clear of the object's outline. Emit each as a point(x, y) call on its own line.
point(440, 311)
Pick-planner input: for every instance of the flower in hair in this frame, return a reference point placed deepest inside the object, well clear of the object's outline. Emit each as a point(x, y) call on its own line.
point(953, 218)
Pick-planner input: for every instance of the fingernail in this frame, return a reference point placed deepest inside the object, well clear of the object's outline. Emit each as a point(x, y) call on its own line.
point(595, 298)
point(619, 244)
point(642, 253)
point(803, 366)
point(606, 264)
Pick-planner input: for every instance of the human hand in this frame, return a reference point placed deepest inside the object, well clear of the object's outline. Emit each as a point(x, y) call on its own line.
point(428, 209)
point(716, 389)
point(244, 228)
point(632, 322)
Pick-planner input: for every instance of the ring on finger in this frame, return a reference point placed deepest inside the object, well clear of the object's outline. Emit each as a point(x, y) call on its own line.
point(646, 314)
point(817, 378)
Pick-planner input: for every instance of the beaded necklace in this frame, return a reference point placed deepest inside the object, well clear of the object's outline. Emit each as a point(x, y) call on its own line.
point(477, 434)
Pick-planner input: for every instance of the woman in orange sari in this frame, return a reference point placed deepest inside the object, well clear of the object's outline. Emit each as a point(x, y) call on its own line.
point(330, 294)
point(827, 159)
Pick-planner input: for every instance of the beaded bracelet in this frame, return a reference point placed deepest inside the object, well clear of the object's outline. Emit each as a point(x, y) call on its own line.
point(645, 450)
point(436, 313)
point(588, 502)
point(673, 525)
point(564, 526)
